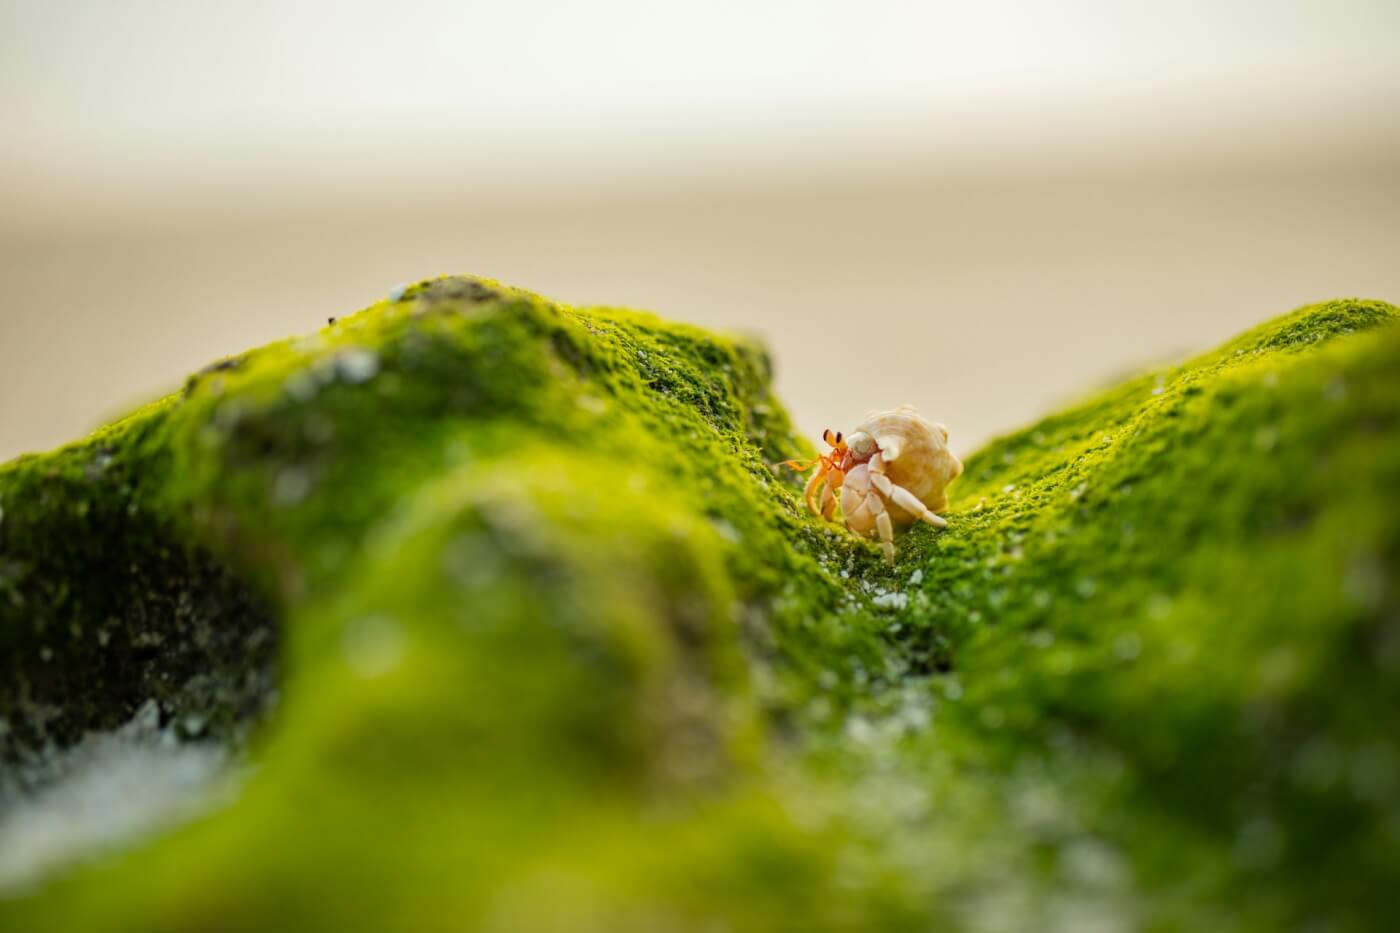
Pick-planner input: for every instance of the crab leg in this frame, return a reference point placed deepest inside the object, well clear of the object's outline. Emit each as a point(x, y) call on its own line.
point(906, 500)
point(828, 501)
point(885, 527)
point(900, 496)
point(814, 485)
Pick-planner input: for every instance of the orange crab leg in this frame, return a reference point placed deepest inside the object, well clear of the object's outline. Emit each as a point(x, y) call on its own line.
point(813, 486)
point(801, 466)
point(828, 502)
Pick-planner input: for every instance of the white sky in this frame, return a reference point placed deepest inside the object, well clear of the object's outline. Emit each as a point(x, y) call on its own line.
point(137, 88)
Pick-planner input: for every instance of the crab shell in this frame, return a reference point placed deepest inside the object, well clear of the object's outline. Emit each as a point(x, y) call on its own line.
point(916, 456)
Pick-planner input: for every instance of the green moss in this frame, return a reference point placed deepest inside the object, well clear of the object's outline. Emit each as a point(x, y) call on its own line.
point(105, 602)
point(559, 649)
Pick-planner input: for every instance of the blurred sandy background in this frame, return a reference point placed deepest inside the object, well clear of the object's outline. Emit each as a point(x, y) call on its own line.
point(980, 211)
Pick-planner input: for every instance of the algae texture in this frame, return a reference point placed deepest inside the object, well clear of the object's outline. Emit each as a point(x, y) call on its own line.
point(548, 645)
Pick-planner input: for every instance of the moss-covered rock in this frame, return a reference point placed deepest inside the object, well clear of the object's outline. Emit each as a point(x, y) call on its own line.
point(556, 649)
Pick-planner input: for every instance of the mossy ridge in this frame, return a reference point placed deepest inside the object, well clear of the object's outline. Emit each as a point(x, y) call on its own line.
point(106, 601)
point(1180, 600)
point(294, 461)
point(907, 797)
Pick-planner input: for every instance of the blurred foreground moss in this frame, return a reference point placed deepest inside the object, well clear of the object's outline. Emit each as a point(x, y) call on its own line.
point(555, 649)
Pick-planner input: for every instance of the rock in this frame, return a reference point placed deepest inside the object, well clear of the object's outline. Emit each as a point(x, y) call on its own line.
point(556, 649)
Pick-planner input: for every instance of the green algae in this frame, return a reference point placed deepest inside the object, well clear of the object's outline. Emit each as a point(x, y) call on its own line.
point(559, 650)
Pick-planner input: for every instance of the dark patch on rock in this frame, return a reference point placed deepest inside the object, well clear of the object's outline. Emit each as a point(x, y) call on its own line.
point(454, 288)
point(225, 365)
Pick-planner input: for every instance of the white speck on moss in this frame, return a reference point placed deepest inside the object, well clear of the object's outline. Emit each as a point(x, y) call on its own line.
point(471, 561)
point(291, 486)
point(916, 577)
point(357, 365)
point(1364, 583)
point(397, 292)
point(891, 600)
point(1127, 646)
point(302, 386)
point(228, 414)
point(859, 730)
point(373, 645)
point(1090, 862)
point(726, 531)
point(915, 713)
point(1258, 844)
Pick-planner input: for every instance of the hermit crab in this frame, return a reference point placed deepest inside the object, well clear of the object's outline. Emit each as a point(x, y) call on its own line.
point(891, 472)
